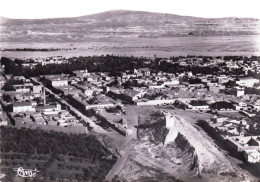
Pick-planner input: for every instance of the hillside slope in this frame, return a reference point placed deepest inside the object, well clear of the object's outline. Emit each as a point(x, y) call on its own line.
point(122, 24)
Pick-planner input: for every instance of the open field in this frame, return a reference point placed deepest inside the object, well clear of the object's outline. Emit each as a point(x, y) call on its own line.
point(245, 45)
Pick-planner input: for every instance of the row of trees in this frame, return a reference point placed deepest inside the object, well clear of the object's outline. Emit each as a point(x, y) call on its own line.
point(221, 105)
point(109, 63)
point(112, 64)
point(33, 49)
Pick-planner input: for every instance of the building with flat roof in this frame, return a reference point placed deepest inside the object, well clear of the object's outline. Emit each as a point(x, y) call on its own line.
point(57, 80)
point(252, 156)
point(132, 95)
point(23, 107)
point(247, 81)
point(242, 143)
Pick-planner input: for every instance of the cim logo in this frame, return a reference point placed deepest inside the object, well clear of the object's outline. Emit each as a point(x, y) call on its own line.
point(26, 172)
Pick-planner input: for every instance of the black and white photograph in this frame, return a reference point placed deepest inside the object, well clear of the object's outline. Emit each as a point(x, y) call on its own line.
point(129, 91)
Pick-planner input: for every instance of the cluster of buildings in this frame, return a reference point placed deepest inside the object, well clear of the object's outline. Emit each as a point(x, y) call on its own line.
point(240, 134)
point(31, 63)
point(28, 103)
point(232, 99)
point(249, 146)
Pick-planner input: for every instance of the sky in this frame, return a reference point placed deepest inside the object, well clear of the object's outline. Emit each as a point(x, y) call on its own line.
point(34, 9)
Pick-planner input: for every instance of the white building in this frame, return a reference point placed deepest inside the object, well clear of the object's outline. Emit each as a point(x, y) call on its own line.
point(218, 119)
point(53, 61)
point(172, 82)
point(132, 95)
point(143, 71)
point(223, 79)
point(238, 91)
point(202, 107)
point(22, 107)
point(155, 102)
point(57, 80)
point(247, 81)
point(59, 83)
point(100, 105)
point(24, 88)
point(88, 92)
point(240, 106)
point(252, 156)
point(37, 89)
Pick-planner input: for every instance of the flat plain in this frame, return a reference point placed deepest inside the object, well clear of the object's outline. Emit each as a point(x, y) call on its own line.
point(245, 45)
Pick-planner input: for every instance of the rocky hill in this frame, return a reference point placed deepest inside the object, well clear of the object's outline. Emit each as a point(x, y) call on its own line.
point(186, 147)
point(122, 24)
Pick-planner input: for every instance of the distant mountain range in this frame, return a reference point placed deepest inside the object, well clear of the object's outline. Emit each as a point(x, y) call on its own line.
point(122, 24)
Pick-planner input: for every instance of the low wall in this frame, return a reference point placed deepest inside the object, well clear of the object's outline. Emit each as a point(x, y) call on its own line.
point(155, 102)
point(112, 125)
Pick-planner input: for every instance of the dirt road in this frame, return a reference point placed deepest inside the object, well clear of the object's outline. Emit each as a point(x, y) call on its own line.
point(96, 128)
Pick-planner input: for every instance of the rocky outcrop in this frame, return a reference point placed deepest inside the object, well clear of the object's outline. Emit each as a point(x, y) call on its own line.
point(182, 143)
point(206, 157)
point(155, 129)
point(194, 152)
